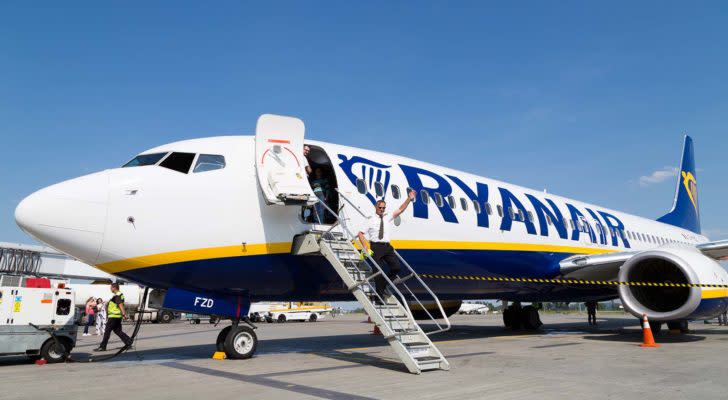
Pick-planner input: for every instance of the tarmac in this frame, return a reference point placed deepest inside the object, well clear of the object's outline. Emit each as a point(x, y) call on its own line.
point(338, 359)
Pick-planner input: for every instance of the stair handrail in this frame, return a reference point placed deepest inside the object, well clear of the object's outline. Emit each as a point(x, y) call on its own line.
point(414, 274)
point(432, 294)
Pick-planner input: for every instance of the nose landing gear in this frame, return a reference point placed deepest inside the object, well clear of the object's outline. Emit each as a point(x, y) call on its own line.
point(238, 342)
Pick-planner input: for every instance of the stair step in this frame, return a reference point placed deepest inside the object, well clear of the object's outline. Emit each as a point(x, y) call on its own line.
point(395, 318)
point(430, 366)
point(416, 344)
point(427, 359)
point(404, 331)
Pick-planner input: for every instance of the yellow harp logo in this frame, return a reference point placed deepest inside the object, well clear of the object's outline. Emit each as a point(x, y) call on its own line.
point(691, 186)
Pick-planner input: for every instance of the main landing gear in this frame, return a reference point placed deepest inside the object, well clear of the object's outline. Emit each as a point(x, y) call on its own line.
point(516, 317)
point(237, 341)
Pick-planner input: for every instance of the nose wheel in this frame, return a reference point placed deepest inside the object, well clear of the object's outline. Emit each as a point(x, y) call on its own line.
point(238, 342)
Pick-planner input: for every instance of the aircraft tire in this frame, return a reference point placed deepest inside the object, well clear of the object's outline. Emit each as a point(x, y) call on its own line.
point(240, 343)
point(281, 319)
point(511, 318)
point(681, 325)
point(220, 342)
point(313, 317)
point(530, 319)
point(655, 327)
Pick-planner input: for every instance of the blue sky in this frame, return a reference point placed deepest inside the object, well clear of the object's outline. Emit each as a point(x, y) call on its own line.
point(587, 100)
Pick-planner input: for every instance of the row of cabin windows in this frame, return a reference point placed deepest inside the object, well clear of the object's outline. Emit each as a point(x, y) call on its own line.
point(515, 214)
point(180, 162)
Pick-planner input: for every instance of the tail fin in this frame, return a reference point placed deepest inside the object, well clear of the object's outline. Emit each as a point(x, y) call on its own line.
point(685, 212)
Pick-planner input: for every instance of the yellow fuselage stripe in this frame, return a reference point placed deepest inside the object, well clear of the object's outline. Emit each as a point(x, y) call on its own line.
point(154, 260)
point(713, 293)
point(194, 255)
point(452, 245)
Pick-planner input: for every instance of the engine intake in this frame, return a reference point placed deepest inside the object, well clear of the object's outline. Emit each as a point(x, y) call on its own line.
point(666, 265)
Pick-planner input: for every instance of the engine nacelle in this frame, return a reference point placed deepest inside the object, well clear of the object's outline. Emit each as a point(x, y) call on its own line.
point(672, 264)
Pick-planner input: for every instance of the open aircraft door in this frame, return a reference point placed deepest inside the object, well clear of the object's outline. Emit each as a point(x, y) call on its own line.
point(279, 161)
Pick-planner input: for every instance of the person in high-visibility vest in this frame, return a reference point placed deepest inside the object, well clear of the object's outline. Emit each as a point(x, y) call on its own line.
point(114, 314)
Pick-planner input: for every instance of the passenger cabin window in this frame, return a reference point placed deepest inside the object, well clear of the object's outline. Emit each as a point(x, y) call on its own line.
point(209, 162)
point(425, 196)
point(438, 199)
point(530, 216)
point(395, 192)
point(379, 189)
point(476, 207)
point(548, 219)
point(464, 204)
point(511, 213)
point(144, 159)
point(500, 211)
point(180, 162)
point(451, 202)
point(488, 209)
point(361, 186)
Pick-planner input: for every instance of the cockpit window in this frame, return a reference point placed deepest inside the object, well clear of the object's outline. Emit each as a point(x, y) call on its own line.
point(209, 162)
point(180, 162)
point(144, 159)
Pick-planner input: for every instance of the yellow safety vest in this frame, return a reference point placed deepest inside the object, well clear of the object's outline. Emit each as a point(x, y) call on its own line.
point(112, 309)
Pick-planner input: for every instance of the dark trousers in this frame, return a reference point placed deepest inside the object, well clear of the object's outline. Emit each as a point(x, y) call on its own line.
point(592, 315)
point(114, 325)
point(385, 257)
point(90, 320)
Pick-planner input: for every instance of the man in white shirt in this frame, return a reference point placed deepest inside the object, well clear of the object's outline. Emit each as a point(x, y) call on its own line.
point(306, 166)
point(378, 231)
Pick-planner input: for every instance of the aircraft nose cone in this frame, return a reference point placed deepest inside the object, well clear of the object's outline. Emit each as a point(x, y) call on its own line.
point(69, 216)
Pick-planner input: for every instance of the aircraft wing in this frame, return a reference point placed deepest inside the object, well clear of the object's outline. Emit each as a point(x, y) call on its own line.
point(606, 266)
point(717, 250)
point(601, 267)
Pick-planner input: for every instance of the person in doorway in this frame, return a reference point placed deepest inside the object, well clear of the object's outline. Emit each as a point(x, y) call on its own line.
point(591, 310)
point(100, 316)
point(378, 233)
point(114, 313)
point(321, 189)
point(90, 315)
point(306, 165)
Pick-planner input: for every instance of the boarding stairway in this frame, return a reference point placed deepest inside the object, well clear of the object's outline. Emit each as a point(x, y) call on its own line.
point(390, 311)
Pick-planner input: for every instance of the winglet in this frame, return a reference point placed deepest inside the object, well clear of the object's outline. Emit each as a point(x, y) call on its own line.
point(685, 212)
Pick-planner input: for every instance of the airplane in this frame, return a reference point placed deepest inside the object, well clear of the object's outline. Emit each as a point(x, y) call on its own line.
point(473, 308)
point(215, 224)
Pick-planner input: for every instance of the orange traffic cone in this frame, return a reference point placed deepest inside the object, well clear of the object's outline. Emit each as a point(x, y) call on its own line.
point(376, 331)
point(648, 340)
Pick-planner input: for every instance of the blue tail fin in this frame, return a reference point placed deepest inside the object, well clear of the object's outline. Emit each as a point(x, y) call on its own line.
point(685, 212)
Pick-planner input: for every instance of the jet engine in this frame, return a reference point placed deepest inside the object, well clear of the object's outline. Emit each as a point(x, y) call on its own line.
point(672, 265)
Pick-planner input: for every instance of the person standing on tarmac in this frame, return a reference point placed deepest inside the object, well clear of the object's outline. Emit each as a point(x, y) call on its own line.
point(100, 316)
point(114, 314)
point(591, 309)
point(90, 315)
